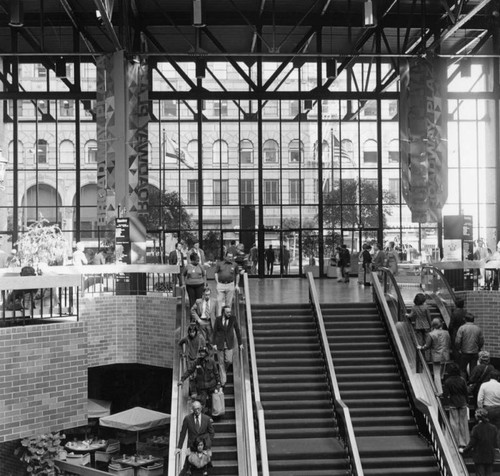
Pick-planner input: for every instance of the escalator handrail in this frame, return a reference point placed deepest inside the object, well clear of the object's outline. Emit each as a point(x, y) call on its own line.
point(261, 422)
point(437, 271)
point(454, 464)
point(357, 469)
point(179, 394)
point(245, 431)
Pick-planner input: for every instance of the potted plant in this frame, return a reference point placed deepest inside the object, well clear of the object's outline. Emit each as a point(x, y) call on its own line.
point(42, 243)
point(39, 452)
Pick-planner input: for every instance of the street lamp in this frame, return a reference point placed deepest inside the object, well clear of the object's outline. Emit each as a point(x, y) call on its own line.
point(3, 168)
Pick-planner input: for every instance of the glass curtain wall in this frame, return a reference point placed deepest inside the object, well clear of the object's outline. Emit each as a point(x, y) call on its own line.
point(285, 169)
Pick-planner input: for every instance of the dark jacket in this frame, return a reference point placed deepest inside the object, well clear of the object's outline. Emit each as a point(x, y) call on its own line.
point(483, 440)
point(207, 373)
point(455, 391)
point(225, 334)
point(206, 430)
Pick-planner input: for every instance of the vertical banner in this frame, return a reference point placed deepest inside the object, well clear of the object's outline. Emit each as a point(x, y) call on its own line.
point(137, 140)
point(422, 123)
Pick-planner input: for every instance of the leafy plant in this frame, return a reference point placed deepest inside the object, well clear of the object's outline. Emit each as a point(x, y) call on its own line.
point(42, 243)
point(38, 452)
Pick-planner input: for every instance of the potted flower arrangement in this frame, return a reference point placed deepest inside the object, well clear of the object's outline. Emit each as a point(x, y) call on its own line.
point(39, 452)
point(42, 243)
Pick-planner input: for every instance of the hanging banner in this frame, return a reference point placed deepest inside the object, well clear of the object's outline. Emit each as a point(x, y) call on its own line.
point(422, 123)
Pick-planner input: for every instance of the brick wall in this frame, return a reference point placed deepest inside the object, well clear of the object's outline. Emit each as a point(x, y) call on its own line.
point(129, 329)
point(43, 368)
point(43, 375)
point(485, 305)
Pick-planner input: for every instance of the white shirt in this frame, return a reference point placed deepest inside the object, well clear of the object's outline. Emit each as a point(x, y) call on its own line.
point(489, 394)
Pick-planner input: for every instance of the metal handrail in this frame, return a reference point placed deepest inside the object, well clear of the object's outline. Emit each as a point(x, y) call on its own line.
point(436, 271)
point(179, 394)
point(340, 406)
point(261, 423)
point(449, 459)
point(245, 432)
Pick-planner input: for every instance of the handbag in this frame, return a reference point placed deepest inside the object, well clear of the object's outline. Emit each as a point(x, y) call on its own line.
point(218, 404)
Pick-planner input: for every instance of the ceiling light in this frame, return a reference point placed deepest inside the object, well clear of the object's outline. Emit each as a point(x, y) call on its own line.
point(200, 67)
point(16, 14)
point(331, 68)
point(369, 19)
point(197, 16)
point(60, 68)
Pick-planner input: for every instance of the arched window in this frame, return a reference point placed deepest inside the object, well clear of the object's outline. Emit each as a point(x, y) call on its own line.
point(370, 152)
point(192, 150)
point(66, 152)
point(393, 152)
point(295, 151)
point(271, 151)
point(220, 154)
point(246, 152)
point(41, 200)
point(325, 151)
point(41, 151)
point(20, 152)
point(91, 152)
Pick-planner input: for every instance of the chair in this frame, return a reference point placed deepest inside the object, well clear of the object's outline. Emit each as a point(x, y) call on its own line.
point(151, 470)
point(78, 459)
point(120, 470)
point(111, 450)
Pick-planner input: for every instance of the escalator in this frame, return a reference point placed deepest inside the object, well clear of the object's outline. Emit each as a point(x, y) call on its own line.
point(224, 448)
point(369, 380)
point(301, 430)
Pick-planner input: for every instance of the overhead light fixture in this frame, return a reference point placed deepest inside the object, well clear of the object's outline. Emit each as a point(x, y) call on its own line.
point(465, 68)
point(16, 13)
point(331, 68)
point(197, 14)
point(200, 66)
point(369, 19)
point(60, 68)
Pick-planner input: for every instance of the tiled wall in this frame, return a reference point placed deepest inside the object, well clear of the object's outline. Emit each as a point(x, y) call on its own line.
point(43, 368)
point(485, 305)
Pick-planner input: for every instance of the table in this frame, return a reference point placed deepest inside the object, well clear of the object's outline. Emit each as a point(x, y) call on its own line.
point(137, 462)
point(85, 447)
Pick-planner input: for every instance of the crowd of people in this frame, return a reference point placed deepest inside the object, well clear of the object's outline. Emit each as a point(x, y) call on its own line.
point(463, 377)
point(213, 334)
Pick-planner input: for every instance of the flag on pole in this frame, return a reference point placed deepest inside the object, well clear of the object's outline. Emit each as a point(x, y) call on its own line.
point(173, 151)
point(339, 151)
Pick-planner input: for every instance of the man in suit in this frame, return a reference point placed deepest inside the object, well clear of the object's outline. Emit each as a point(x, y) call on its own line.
point(196, 425)
point(176, 257)
point(203, 312)
point(196, 249)
point(223, 339)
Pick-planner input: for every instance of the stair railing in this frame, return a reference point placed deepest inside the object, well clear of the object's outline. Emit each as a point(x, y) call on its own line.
point(243, 404)
point(430, 413)
point(179, 407)
point(346, 429)
point(432, 280)
point(261, 422)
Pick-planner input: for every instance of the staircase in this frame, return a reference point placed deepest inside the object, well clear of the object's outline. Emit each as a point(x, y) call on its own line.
point(371, 387)
point(224, 453)
point(301, 430)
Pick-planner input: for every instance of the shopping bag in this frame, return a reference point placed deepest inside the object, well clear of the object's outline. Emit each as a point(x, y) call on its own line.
point(218, 404)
